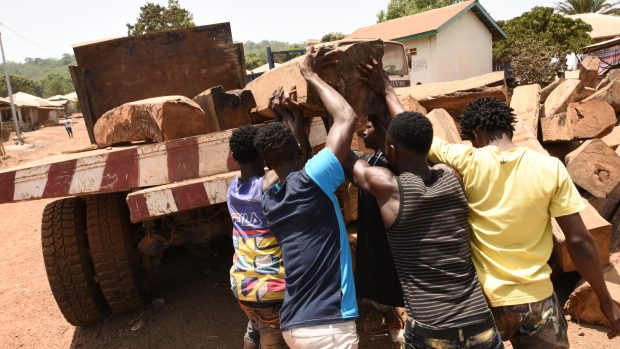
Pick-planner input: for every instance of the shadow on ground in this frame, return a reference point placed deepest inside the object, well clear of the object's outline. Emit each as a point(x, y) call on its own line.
point(191, 307)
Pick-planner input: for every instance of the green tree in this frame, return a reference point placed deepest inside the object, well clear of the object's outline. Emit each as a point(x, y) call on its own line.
point(157, 18)
point(253, 61)
point(55, 84)
point(333, 36)
point(572, 7)
point(401, 8)
point(543, 25)
point(19, 84)
point(532, 62)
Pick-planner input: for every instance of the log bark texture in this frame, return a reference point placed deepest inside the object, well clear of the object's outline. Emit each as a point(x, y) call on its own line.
point(558, 100)
point(455, 96)
point(225, 110)
point(154, 119)
point(591, 119)
point(444, 126)
point(583, 120)
point(609, 94)
point(594, 167)
point(613, 138)
point(344, 77)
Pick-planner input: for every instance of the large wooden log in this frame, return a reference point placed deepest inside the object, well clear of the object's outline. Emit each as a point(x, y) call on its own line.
point(444, 126)
point(566, 92)
point(455, 96)
point(591, 119)
point(557, 128)
point(525, 102)
point(154, 119)
point(344, 77)
point(546, 91)
point(609, 94)
point(411, 104)
point(583, 305)
point(583, 120)
point(588, 72)
point(595, 167)
point(598, 227)
point(225, 110)
point(181, 62)
point(613, 138)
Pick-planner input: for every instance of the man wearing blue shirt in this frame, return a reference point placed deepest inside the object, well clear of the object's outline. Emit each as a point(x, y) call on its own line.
point(319, 308)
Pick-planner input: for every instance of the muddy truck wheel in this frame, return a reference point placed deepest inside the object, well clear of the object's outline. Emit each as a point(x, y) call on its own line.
point(113, 249)
point(67, 262)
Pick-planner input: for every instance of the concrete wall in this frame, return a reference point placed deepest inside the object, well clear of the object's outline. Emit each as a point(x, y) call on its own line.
point(461, 50)
point(464, 49)
point(422, 68)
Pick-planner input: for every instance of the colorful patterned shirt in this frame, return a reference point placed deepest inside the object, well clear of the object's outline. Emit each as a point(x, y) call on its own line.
point(257, 274)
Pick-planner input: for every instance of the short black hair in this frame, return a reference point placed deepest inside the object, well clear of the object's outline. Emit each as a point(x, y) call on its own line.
point(276, 143)
point(241, 144)
point(413, 131)
point(487, 114)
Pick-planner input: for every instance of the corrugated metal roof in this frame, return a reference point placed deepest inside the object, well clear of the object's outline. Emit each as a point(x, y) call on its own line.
point(23, 99)
point(427, 23)
point(603, 26)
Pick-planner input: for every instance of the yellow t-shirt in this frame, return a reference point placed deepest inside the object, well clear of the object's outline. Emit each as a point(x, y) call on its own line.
point(512, 196)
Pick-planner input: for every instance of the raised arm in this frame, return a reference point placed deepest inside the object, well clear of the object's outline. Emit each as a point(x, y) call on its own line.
point(583, 252)
point(373, 74)
point(287, 110)
point(344, 118)
point(378, 181)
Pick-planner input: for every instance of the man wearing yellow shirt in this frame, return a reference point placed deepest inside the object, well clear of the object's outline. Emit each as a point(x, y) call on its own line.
point(513, 192)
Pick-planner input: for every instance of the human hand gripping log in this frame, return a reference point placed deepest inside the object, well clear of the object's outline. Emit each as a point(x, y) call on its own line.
point(344, 118)
point(284, 105)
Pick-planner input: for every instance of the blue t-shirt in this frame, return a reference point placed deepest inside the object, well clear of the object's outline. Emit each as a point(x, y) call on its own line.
point(305, 216)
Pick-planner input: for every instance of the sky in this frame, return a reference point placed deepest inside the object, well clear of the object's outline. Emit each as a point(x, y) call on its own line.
point(44, 28)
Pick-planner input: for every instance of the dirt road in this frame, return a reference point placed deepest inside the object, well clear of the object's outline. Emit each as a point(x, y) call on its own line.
point(192, 306)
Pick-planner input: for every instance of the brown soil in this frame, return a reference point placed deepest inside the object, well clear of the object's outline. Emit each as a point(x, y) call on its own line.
point(192, 306)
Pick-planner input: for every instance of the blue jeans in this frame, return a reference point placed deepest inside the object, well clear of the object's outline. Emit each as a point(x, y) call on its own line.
point(487, 339)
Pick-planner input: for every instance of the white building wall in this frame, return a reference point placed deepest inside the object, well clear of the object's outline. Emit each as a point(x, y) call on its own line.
point(421, 64)
point(464, 49)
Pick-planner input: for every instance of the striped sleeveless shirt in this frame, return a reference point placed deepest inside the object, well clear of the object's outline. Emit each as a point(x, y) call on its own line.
point(430, 242)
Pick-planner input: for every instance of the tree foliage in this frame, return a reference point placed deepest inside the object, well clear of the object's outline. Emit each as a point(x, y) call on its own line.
point(19, 84)
point(541, 24)
point(256, 52)
point(157, 18)
point(533, 63)
point(401, 8)
point(573, 7)
point(55, 84)
point(37, 69)
point(333, 36)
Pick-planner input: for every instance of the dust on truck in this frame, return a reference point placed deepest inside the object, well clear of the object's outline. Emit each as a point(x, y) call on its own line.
point(120, 207)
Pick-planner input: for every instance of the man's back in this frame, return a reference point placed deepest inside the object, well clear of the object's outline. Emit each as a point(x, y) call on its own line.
point(306, 218)
point(512, 194)
point(257, 274)
point(430, 241)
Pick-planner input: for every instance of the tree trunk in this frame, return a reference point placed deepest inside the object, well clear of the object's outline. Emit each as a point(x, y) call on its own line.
point(444, 126)
point(567, 92)
point(225, 110)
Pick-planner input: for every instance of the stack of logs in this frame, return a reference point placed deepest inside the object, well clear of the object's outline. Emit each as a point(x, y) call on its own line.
point(577, 116)
point(573, 118)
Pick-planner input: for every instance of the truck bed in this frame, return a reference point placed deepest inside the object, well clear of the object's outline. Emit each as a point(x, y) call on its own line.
point(126, 168)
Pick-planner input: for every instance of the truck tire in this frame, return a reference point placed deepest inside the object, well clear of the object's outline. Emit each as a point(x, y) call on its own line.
point(114, 252)
point(67, 263)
